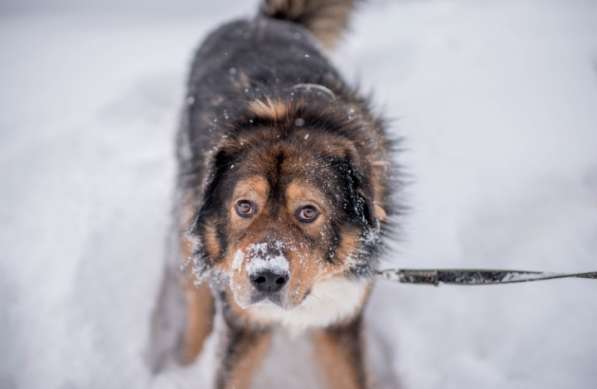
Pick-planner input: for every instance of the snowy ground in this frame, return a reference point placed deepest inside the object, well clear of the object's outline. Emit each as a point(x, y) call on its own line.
point(498, 104)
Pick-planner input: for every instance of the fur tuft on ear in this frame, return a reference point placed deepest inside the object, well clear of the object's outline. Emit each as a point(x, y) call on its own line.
point(379, 213)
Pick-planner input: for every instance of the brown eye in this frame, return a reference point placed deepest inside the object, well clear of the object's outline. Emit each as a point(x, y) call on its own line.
point(307, 214)
point(245, 208)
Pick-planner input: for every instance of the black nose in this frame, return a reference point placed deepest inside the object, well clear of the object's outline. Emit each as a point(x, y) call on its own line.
point(268, 282)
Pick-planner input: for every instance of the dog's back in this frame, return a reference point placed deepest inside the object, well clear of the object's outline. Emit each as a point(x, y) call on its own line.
point(258, 59)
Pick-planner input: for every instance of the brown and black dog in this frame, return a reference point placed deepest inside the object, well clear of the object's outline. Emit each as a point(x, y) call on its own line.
point(283, 197)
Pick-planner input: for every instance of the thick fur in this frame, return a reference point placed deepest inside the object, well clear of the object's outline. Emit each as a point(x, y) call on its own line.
point(269, 119)
point(326, 19)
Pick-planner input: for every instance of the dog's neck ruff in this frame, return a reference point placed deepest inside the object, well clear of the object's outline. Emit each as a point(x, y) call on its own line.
point(329, 302)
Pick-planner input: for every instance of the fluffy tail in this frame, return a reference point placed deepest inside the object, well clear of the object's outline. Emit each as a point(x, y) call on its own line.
point(326, 19)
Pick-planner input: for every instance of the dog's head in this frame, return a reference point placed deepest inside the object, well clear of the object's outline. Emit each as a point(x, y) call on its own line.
point(289, 201)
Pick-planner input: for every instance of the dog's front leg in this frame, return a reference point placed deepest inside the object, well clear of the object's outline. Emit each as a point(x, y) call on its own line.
point(242, 352)
point(339, 350)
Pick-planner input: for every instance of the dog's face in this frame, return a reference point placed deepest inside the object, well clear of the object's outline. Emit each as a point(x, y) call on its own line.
point(282, 213)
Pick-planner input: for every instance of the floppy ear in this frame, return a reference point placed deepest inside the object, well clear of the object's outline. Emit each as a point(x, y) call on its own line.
point(363, 200)
point(362, 175)
point(212, 197)
point(358, 194)
point(366, 175)
point(206, 229)
point(379, 170)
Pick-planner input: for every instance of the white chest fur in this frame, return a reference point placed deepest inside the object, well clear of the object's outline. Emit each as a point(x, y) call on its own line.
point(329, 301)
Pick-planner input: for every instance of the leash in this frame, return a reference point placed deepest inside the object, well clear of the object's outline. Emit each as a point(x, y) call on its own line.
point(473, 276)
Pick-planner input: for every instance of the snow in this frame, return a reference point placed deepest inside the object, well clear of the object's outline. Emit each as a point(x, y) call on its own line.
point(520, 277)
point(496, 101)
point(237, 261)
point(262, 260)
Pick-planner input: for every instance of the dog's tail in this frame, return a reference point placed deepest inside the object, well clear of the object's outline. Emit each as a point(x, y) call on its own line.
point(326, 19)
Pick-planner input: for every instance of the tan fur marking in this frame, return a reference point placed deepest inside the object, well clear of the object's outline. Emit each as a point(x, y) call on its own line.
point(268, 108)
point(349, 242)
point(383, 164)
point(379, 172)
point(252, 349)
point(339, 147)
point(299, 193)
point(253, 185)
point(339, 352)
point(338, 370)
point(199, 311)
point(254, 188)
point(326, 20)
point(212, 245)
point(379, 213)
point(304, 270)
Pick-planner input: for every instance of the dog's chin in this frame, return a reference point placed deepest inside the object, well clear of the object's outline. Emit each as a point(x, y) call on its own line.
point(278, 300)
point(274, 299)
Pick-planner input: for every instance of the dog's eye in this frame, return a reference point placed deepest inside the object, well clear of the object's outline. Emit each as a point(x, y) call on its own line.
point(307, 214)
point(245, 208)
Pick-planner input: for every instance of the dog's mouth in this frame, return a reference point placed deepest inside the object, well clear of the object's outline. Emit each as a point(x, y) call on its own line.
point(266, 299)
point(286, 298)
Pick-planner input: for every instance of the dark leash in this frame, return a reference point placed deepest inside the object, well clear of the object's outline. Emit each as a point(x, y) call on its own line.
point(473, 276)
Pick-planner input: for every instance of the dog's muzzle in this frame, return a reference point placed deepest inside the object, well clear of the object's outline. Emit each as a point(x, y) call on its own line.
point(268, 271)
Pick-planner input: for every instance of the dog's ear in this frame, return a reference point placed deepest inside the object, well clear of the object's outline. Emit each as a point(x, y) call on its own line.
point(362, 196)
point(216, 188)
point(352, 175)
point(364, 174)
point(217, 169)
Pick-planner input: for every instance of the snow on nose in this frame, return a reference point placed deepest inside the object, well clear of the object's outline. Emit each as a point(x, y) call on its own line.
point(265, 257)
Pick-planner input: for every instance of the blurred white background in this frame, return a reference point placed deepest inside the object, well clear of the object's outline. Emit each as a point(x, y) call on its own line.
point(496, 99)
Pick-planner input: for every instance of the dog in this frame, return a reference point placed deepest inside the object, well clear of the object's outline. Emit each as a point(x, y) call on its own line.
point(284, 187)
